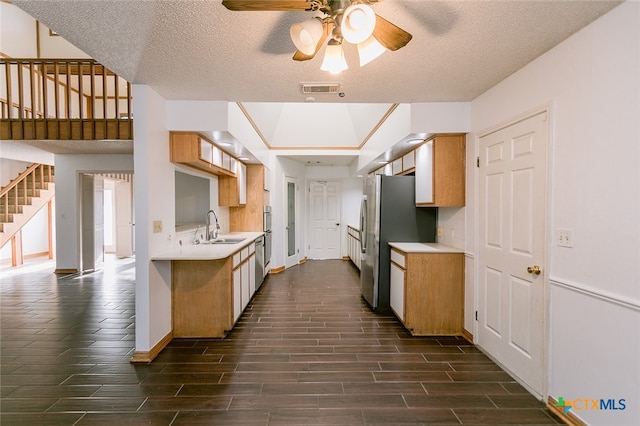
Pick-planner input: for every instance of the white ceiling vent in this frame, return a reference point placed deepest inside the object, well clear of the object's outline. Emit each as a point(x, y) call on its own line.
point(319, 88)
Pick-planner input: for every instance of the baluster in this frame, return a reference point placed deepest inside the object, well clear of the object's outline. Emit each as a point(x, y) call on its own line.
point(34, 108)
point(45, 98)
point(104, 98)
point(92, 106)
point(21, 99)
point(56, 87)
point(7, 66)
point(116, 92)
point(81, 93)
point(129, 112)
point(67, 98)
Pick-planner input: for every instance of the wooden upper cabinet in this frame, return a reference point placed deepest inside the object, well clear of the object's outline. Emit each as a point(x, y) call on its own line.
point(198, 152)
point(249, 217)
point(440, 172)
point(232, 191)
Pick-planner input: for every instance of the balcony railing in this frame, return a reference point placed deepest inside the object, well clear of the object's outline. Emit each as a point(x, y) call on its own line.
point(63, 99)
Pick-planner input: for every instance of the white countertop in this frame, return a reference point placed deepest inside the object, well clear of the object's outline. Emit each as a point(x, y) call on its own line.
point(208, 251)
point(425, 248)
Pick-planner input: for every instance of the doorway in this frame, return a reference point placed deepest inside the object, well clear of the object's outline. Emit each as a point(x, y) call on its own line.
point(324, 220)
point(512, 281)
point(106, 225)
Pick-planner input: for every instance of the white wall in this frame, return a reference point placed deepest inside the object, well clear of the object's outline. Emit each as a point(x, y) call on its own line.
point(154, 191)
point(67, 168)
point(10, 169)
point(53, 46)
point(35, 236)
point(592, 81)
point(18, 32)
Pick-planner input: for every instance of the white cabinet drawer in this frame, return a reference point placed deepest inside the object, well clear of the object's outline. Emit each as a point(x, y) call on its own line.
point(236, 259)
point(244, 254)
point(398, 258)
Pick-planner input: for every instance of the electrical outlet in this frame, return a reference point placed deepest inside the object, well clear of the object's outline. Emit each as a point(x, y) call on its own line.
point(157, 226)
point(439, 232)
point(564, 237)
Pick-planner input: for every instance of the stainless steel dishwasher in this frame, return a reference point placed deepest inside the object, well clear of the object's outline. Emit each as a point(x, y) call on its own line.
point(259, 261)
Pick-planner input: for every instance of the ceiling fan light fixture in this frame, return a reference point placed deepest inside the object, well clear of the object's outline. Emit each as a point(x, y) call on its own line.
point(306, 35)
point(369, 50)
point(358, 23)
point(334, 61)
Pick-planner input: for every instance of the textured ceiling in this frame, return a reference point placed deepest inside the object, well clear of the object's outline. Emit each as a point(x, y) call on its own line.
point(199, 50)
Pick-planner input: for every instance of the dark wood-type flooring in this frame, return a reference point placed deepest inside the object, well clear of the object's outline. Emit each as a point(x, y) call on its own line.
point(307, 351)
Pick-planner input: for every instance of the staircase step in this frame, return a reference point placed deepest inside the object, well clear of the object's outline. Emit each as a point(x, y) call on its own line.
point(30, 193)
point(12, 210)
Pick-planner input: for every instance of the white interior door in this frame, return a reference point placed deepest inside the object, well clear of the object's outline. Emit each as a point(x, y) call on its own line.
point(124, 219)
point(291, 226)
point(92, 222)
point(512, 230)
point(324, 220)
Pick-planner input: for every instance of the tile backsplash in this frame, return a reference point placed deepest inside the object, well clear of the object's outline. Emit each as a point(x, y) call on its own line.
point(452, 222)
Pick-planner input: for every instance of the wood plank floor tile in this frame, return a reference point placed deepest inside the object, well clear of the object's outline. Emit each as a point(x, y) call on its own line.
point(307, 351)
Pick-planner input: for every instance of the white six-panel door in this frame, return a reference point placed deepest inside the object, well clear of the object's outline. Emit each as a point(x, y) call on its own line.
point(324, 220)
point(512, 239)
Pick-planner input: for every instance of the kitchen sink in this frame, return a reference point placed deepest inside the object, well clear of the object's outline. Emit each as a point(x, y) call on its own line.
point(226, 241)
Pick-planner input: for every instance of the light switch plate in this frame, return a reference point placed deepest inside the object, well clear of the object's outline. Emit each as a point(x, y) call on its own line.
point(157, 226)
point(564, 237)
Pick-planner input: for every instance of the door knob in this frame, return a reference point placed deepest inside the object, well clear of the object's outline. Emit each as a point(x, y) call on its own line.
point(535, 270)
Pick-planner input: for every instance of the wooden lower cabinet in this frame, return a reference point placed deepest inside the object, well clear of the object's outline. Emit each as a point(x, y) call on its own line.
point(201, 298)
point(427, 292)
point(208, 296)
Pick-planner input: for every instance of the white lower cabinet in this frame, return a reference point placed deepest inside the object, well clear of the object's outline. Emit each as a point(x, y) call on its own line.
point(353, 246)
point(237, 294)
point(244, 279)
point(397, 290)
point(246, 295)
point(252, 274)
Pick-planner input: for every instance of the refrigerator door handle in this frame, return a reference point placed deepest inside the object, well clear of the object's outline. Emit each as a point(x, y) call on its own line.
point(363, 225)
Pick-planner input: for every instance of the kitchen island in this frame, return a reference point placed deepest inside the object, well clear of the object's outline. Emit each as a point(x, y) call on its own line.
point(427, 288)
point(211, 283)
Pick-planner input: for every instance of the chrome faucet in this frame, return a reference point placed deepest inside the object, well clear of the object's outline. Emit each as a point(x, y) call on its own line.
point(217, 228)
point(196, 240)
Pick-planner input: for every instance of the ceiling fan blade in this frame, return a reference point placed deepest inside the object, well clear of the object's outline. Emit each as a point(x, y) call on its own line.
point(327, 27)
point(260, 5)
point(389, 35)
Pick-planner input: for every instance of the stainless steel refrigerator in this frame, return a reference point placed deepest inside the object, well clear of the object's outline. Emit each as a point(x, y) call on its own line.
point(389, 214)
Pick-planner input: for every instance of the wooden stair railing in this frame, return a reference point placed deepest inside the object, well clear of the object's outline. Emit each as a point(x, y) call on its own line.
point(20, 200)
point(63, 99)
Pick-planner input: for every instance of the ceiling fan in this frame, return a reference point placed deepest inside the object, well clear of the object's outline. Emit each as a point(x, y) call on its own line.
point(352, 21)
